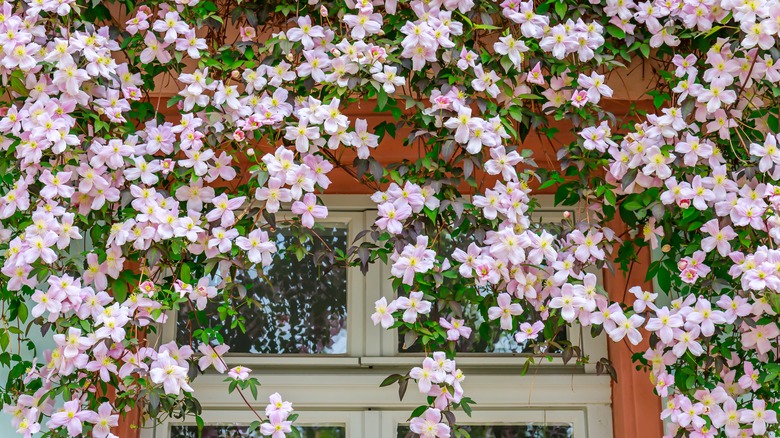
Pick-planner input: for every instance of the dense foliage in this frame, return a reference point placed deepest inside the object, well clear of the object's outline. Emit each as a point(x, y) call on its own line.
point(121, 206)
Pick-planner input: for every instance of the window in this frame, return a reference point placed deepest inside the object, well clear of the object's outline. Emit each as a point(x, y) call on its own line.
point(293, 306)
point(226, 431)
point(508, 431)
point(331, 371)
point(485, 338)
point(221, 425)
point(510, 424)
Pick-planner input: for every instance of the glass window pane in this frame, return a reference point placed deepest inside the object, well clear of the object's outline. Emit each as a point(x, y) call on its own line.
point(485, 338)
point(507, 431)
point(292, 306)
point(240, 432)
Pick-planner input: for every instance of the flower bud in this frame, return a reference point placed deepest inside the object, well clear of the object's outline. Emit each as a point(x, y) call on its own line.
point(666, 248)
point(235, 74)
point(682, 264)
point(250, 152)
point(323, 11)
point(566, 214)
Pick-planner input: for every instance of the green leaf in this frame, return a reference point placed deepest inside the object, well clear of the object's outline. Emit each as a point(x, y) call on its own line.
point(418, 411)
point(645, 49)
point(485, 27)
point(560, 8)
point(185, 274)
point(516, 112)
point(616, 32)
point(381, 100)
point(23, 313)
point(664, 280)
point(389, 380)
point(632, 206)
point(120, 291)
point(4, 339)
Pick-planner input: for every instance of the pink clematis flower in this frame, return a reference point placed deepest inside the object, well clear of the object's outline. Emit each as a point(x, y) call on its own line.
point(71, 416)
point(412, 306)
point(277, 425)
point(212, 356)
point(758, 417)
point(505, 310)
point(383, 313)
point(309, 210)
point(429, 425)
point(455, 328)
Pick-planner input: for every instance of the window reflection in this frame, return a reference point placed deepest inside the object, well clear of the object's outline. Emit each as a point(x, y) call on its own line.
point(240, 432)
point(486, 337)
point(507, 431)
point(291, 306)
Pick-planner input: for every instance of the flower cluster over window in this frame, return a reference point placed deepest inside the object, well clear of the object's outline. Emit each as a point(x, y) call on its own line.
point(169, 134)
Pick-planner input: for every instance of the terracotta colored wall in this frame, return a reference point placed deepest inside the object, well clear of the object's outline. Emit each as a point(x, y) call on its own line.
point(635, 408)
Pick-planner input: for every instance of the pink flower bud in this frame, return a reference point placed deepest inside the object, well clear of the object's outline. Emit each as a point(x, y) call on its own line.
point(167, 165)
point(147, 287)
point(239, 135)
point(682, 264)
point(248, 33)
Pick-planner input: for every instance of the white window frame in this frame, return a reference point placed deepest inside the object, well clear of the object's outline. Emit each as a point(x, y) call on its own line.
point(577, 418)
point(344, 213)
point(384, 423)
point(352, 421)
point(389, 355)
point(344, 389)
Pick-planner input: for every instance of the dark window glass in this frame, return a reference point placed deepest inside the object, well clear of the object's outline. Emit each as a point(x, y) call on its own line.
point(486, 338)
point(240, 432)
point(508, 431)
point(291, 306)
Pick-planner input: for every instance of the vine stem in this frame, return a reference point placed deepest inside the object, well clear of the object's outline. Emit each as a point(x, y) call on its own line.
point(240, 392)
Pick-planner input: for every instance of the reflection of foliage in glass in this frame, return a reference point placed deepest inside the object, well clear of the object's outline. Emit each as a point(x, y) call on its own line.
point(513, 431)
point(292, 306)
point(486, 336)
point(240, 432)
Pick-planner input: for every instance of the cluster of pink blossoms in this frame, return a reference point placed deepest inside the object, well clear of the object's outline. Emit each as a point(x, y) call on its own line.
point(679, 154)
point(440, 379)
point(166, 183)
